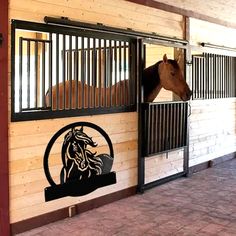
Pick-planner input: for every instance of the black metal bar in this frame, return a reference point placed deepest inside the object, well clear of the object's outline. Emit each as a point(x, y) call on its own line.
point(63, 68)
point(83, 72)
point(120, 70)
point(88, 70)
point(70, 71)
point(148, 130)
point(115, 71)
point(110, 78)
point(36, 40)
point(50, 72)
point(100, 73)
point(125, 69)
point(36, 73)
point(206, 72)
point(76, 72)
point(105, 73)
point(20, 72)
point(225, 76)
point(28, 74)
point(170, 134)
point(94, 63)
point(155, 129)
point(57, 72)
point(43, 73)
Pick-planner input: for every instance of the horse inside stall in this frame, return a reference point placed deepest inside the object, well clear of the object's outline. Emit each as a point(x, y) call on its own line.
point(164, 74)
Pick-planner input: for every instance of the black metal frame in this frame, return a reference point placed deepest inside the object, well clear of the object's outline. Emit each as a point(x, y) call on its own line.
point(43, 112)
point(213, 76)
point(142, 138)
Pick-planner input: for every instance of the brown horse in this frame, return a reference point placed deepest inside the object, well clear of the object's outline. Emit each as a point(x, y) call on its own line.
point(164, 74)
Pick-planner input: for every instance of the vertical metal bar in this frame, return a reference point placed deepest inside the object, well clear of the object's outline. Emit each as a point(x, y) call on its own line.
point(105, 73)
point(94, 54)
point(215, 75)
point(64, 69)
point(100, 72)
point(57, 72)
point(167, 144)
point(160, 118)
point(125, 69)
point(231, 77)
point(110, 71)
point(76, 72)
point(43, 74)
point(174, 111)
point(128, 76)
point(83, 70)
point(206, 57)
point(227, 75)
point(20, 72)
point(181, 140)
point(115, 72)
point(70, 71)
point(163, 128)
point(171, 126)
point(148, 129)
point(120, 71)
point(178, 124)
point(36, 74)
point(28, 73)
point(155, 128)
point(50, 71)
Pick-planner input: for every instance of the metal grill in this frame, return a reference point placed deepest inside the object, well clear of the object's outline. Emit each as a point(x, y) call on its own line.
point(61, 70)
point(165, 127)
point(213, 76)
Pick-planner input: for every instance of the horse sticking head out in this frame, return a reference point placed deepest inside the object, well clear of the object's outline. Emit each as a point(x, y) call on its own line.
point(165, 74)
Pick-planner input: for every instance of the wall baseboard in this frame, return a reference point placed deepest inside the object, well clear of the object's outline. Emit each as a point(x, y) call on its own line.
point(63, 213)
point(211, 163)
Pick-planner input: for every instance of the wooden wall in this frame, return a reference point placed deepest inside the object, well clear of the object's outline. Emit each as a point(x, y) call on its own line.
point(213, 122)
point(28, 140)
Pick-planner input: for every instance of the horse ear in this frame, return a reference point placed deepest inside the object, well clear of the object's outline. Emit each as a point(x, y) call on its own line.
point(165, 59)
point(81, 129)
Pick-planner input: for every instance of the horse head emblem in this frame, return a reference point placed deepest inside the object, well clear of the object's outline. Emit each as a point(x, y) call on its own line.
point(78, 161)
point(84, 166)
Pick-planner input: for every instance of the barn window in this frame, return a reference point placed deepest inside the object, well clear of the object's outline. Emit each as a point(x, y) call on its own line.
point(61, 71)
point(213, 76)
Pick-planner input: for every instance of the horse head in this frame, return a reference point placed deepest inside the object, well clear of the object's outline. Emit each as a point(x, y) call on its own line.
point(171, 78)
point(77, 159)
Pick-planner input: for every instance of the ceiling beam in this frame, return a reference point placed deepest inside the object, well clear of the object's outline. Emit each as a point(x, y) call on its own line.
point(183, 12)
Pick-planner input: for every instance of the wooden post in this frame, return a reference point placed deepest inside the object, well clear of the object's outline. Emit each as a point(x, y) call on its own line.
point(4, 172)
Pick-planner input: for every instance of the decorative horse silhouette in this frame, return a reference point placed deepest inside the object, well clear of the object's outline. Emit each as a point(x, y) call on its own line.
point(79, 162)
point(164, 74)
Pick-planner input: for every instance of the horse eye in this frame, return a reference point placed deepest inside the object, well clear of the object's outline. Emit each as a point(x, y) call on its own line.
point(172, 73)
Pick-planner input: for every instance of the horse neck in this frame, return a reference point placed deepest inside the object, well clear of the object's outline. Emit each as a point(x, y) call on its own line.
point(151, 82)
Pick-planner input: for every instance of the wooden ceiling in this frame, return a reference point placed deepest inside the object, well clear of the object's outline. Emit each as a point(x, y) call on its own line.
point(216, 11)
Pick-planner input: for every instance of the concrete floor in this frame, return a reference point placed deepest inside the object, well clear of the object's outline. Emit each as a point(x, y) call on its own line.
point(204, 204)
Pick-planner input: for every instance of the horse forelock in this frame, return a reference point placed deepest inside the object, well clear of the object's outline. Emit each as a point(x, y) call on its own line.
point(174, 63)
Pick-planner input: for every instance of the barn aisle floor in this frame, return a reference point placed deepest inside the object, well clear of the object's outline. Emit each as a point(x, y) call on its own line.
point(203, 204)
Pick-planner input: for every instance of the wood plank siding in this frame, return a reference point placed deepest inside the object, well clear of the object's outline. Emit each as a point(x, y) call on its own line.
point(28, 140)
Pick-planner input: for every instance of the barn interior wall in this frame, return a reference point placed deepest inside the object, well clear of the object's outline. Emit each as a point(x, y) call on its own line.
point(28, 140)
point(212, 122)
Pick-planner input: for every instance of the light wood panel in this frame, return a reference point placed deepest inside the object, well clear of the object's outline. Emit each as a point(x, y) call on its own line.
point(212, 129)
point(126, 14)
